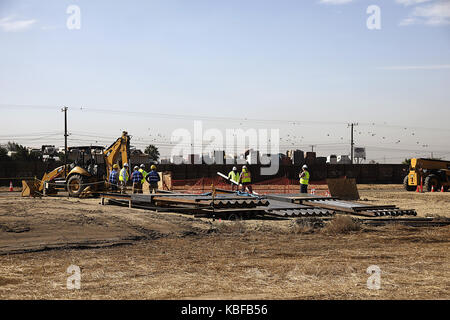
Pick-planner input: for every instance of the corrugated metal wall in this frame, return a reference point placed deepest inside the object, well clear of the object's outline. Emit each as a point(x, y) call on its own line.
point(364, 173)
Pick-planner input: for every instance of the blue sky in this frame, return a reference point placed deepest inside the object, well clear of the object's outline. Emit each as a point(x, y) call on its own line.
point(312, 61)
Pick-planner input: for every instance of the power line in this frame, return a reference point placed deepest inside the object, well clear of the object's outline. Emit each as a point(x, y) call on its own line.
point(30, 134)
point(214, 118)
point(162, 143)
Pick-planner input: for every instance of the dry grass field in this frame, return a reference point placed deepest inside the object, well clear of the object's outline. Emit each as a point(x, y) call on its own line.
point(137, 254)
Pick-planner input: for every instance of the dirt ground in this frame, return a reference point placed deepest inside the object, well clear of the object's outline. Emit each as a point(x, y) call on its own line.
point(139, 254)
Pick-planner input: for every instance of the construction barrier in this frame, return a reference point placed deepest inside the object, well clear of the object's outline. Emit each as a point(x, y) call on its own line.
point(363, 173)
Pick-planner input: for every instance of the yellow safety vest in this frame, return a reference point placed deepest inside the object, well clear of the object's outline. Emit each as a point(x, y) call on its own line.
point(245, 177)
point(234, 176)
point(305, 179)
point(123, 172)
point(144, 174)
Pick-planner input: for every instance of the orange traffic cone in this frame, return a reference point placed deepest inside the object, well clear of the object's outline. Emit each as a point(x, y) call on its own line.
point(11, 187)
point(418, 189)
point(442, 188)
point(432, 188)
point(313, 191)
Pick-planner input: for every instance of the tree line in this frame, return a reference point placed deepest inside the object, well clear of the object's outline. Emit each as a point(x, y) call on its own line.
point(22, 153)
point(18, 152)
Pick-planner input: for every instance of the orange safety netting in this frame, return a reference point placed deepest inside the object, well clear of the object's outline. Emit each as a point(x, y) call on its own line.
point(276, 185)
point(202, 185)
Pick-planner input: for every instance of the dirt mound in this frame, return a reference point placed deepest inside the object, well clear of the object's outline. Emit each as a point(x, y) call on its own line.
point(28, 225)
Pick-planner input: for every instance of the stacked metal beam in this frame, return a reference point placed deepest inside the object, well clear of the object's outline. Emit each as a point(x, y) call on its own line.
point(359, 208)
point(336, 205)
point(284, 209)
point(295, 197)
point(202, 201)
point(283, 205)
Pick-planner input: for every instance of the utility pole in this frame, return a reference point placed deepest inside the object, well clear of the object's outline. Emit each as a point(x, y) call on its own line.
point(64, 109)
point(352, 142)
point(312, 147)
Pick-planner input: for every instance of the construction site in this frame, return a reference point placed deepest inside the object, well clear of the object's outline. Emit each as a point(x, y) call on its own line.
point(225, 150)
point(203, 239)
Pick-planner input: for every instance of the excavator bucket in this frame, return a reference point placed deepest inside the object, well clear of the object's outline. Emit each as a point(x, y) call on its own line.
point(30, 188)
point(86, 192)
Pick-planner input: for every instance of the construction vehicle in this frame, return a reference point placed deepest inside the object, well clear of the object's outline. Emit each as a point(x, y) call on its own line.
point(48, 153)
point(429, 173)
point(88, 171)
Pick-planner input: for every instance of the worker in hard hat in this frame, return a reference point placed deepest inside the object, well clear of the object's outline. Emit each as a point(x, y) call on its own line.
point(234, 176)
point(304, 179)
point(136, 178)
point(123, 178)
point(114, 178)
point(245, 179)
point(153, 179)
point(144, 173)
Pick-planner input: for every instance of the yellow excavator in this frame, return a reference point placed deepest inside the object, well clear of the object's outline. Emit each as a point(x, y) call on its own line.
point(433, 174)
point(88, 172)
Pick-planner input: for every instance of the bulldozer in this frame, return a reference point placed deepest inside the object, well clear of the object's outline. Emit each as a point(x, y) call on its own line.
point(86, 174)
point(433, 174)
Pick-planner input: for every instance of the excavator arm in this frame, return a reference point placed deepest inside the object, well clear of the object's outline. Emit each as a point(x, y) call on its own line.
point(119, 150)
point(55, 173)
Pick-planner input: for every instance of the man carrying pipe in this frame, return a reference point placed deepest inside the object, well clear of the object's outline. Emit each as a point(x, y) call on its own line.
point(233, 176)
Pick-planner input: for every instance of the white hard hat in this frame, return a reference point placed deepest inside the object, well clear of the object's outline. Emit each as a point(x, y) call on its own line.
point(244, 167)
point(142, 166)
point(125, 164)
point(234, 168)
point(136, 167)
point(305, 166)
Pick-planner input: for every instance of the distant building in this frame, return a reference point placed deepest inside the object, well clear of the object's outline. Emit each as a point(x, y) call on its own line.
point(344, 159)
point(177, 159)
point(253, 157)
point(194, 159)
point(297, 157)
point(332, 159)
point(207, 159)
point(218, 156)
point(241, 159)
point(230, 159)
point(137, 157)
point(359, 153)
